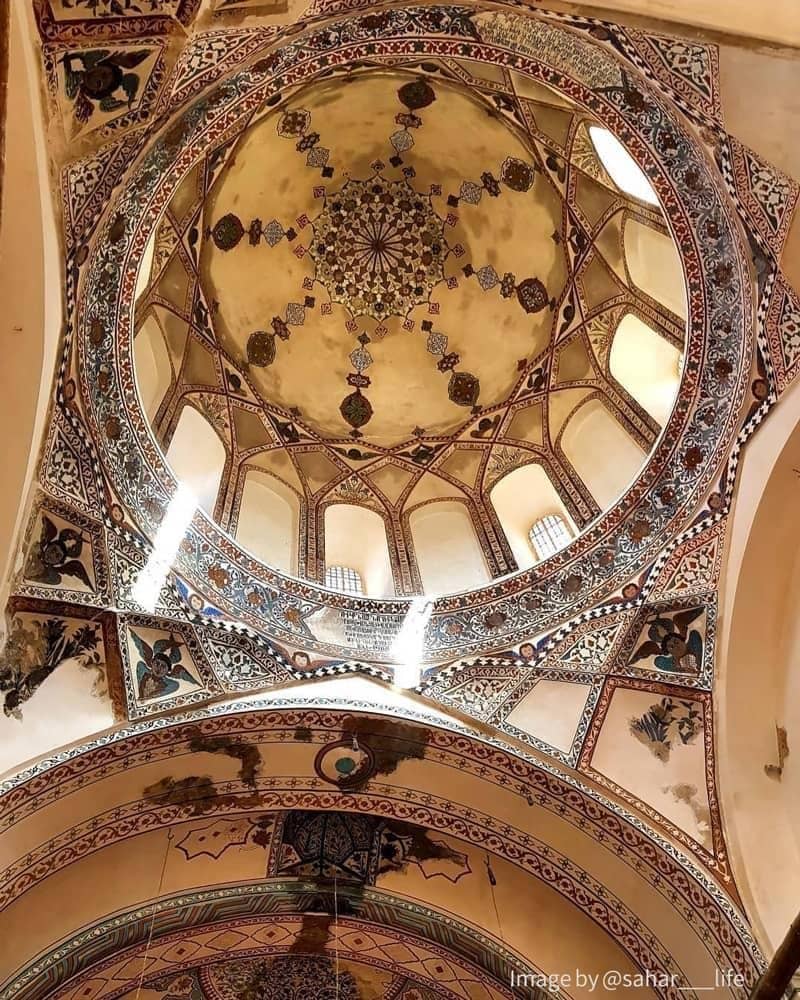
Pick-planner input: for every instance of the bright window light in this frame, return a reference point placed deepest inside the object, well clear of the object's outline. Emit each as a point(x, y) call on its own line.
point(146, 266)
point(548, 535)
point(151, 579)
point(408, 647)
point(621, 166)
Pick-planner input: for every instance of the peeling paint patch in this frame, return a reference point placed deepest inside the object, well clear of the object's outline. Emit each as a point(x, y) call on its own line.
point(389, 741)
point(196, 791)
point(247, 753)
point(314, 934)
point(199, 792)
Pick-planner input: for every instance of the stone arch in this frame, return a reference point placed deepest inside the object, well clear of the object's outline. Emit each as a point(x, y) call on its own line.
point(624, 895)
point(758, 689)
point(30, 277)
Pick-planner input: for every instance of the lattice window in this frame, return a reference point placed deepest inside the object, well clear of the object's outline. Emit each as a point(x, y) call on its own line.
point(548, 535)
point(343, 578)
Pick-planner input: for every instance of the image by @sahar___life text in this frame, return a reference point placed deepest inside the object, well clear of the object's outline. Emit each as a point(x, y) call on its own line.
point(615, 979)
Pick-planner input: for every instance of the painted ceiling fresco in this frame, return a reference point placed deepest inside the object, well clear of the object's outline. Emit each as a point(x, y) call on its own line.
point(386, 263)
point(431, 864)
point(403, 308)
point(683, 467)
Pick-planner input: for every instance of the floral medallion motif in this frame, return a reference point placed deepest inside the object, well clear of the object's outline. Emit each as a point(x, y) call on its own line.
point(261, 349)
point(532, 295)
point(463, 388)
point(379, 247)
point(345, 763)
point(356, 409)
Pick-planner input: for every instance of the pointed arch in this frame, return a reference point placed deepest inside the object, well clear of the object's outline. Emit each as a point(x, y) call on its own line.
point(654, 265)
point(646, 365)
point(355, 537)
point(146, 267)
point(269, 520)
point(522, 497)
point(592, 431)
point(621, 167)
point(446, 546)
point(152, 365)
point(197, 457)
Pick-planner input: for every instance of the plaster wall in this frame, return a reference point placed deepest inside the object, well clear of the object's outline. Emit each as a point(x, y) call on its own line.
point(30, 284)
point(758, 676)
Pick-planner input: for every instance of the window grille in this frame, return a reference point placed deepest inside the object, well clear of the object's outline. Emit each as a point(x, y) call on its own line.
point(548, 535)
point(343, 578)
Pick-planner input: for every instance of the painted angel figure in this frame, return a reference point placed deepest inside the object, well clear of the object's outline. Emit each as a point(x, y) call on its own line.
point(675, 647)
point(57, 555)
point(97, 76)
point(160, 671)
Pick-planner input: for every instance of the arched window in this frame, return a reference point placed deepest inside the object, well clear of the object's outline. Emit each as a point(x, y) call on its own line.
point(196, 456)
point(269, 520)
point(647, 365)
point(355, 537)
point(655, 265)
point(146, 267)
point(623, 170)
point(449, 555)
point(152, 365)
point(548, 535)
point(522, 497)
point(601, 451)
point(343, 578)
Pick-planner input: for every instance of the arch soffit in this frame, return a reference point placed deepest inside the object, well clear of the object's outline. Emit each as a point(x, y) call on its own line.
point(533, 799)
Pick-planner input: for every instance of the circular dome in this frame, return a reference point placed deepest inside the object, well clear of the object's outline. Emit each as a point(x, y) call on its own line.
point(511, 406)
point(401, 290)
point(420, 312)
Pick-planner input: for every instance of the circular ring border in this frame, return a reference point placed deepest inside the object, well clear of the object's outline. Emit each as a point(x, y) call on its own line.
point(701, 428)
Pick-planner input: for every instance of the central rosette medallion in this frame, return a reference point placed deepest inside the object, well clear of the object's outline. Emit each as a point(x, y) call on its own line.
point(379, 247)
point(364, 248)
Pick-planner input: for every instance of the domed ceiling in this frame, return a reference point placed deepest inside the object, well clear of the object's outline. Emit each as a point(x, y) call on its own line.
point(393, 291)
point(385, 261)
point(251, 350)
point(420, 315)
